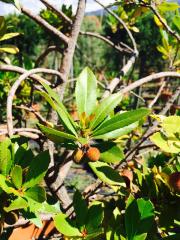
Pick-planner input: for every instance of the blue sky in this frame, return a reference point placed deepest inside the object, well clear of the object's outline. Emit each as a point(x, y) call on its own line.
point(35, 5)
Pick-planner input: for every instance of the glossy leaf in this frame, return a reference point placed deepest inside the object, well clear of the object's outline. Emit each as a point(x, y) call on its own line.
point(86, 92)
point(139, 218)
point(80, 207)
point(117, 133)
point(9, 49)
point(106, 174)
point(110, 152)
point(17, 175)
point(37, 169)
point(18, 203)
point(94, 218)
point(7, 186)
point(167, 145)
point(171, 125)
point(55, 135)
point(5, 156)
point(8, 36)
point(65, 117)
point(60, 109)
point(176, 21)
point(64, 226)
point(121, 120)
point(104, 108)
point(37, 193)
point(168, 6)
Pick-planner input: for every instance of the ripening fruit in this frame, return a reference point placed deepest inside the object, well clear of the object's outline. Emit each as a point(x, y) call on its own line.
point(93, 154)
point(78, 155)
point(174, 181)
point(11, 217)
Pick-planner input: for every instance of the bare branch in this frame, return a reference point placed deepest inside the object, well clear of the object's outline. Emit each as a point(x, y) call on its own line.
point(157, 95)
point(27, 132)
point(69, 51)
point(114, 83)
point(46, 52)
point(37, 114)
point(16, 69)
point(166, 26)
point(123, 24)
point(45, 24)
point(15, 87)
point(148, 79)
point(106, 40)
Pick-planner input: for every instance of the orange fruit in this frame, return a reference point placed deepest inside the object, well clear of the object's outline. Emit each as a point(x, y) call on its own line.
point(93, 154)
point(78, 155)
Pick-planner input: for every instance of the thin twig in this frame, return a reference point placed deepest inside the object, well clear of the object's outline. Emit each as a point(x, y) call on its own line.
point(15, 87)
point(45, 24)
point(123, 24)
point(157, 95)
point(148, 79)
point(58, 12)
point(166, 26)
point(106, 40)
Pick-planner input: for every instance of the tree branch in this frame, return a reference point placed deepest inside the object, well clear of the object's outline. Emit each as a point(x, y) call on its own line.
point(15, 87)
point(106, 40)
point(148, 79)
point(114, 83)
point(69, 51)
point(123, 24)
point(58, 12)
point(45, 53)
point(45, 25)
point(166, 26)
point(16, 69)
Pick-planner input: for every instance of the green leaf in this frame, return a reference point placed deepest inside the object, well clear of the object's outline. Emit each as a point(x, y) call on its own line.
point(2, 26)
point(7, 186)
point(23, 156)
point(37, 169)
point(117, 133)
point(106, 174)
point(34, 218)
point(110, 152)
point(80, 208)
point(8, 36)
point(64, 226)
point(139, 218)
point(18, 203)
point(94, 218)
point(171, 125)
point(168, 6)
point(170, 146)
point(5, 156)
point(121, 120)
point(9, 49)
point(17, 175)
point(15, 2)
point(176, 20)
point(86, 92)
point(104, 108)
point(58, 106)
point(43, 207)
point(37, 193)
point(55, 135)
